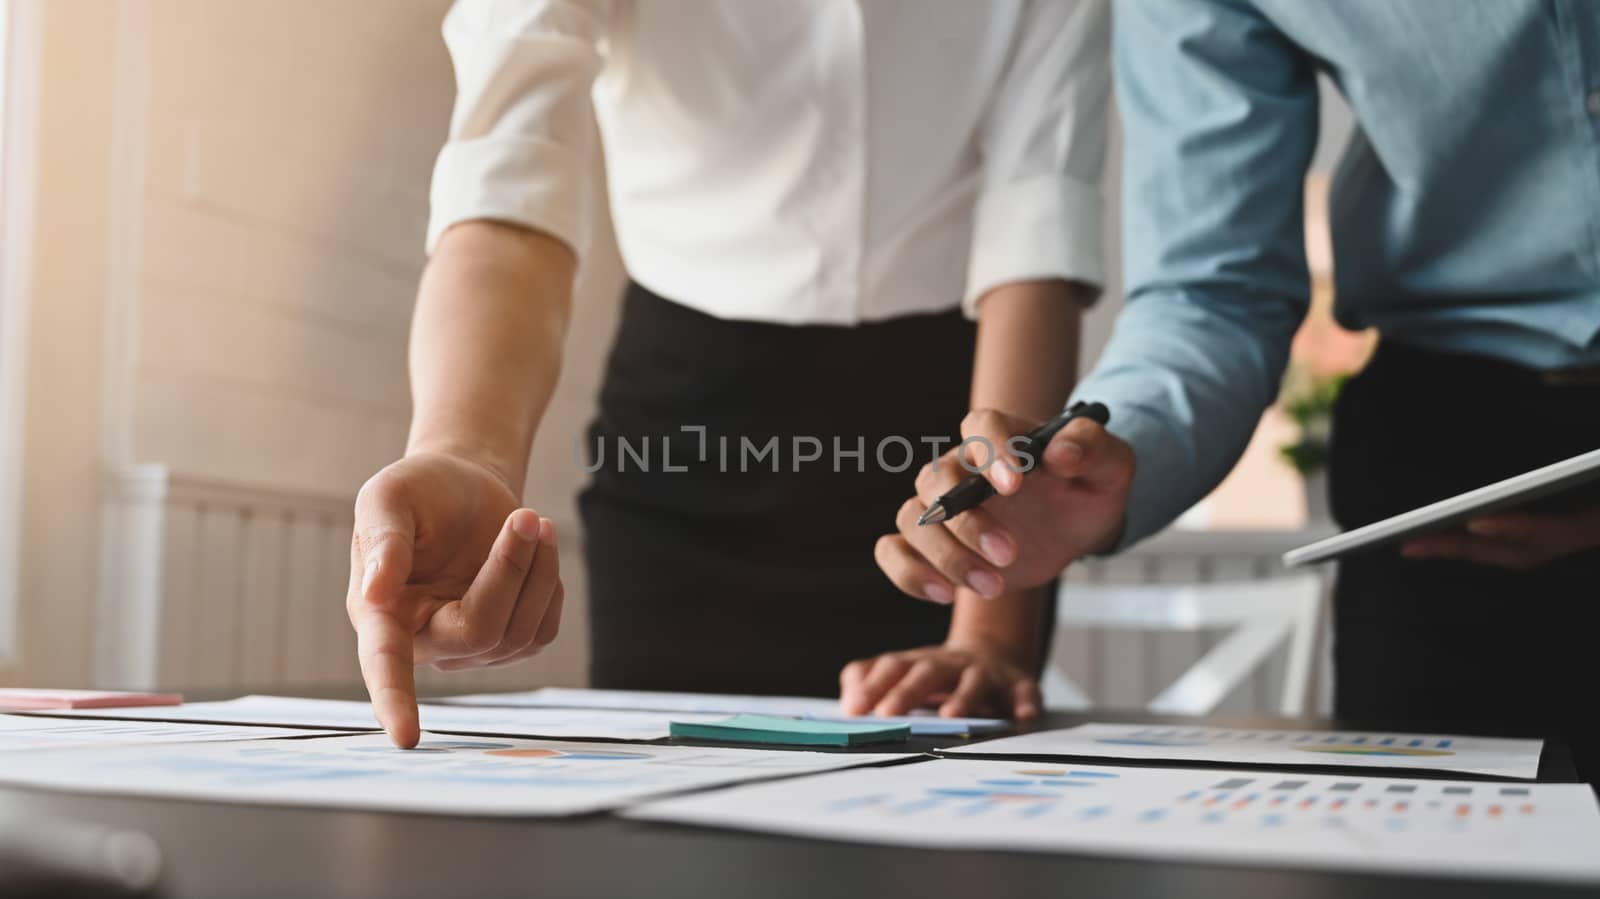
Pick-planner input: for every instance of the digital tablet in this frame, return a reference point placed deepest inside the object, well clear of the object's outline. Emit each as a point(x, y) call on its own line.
point(1512, 493)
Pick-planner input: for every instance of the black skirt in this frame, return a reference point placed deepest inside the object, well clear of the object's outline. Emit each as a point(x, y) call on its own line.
point(742, 473)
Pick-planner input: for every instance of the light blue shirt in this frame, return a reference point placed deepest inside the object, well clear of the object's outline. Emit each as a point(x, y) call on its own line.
point(1465, 212)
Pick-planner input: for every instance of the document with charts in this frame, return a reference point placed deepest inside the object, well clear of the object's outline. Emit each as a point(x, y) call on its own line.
point(1252, 746)
point(24, 732)
point(1444, 828)
point(595, 724)
point(443, 775)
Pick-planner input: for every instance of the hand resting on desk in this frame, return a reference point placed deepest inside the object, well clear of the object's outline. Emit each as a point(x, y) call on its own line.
point(445, 569)
point(965, 679)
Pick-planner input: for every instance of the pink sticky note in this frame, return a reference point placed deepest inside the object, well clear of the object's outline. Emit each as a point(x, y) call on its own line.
point(20, 699)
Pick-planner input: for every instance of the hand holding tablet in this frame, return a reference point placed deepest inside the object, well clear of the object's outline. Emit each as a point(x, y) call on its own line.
point(1432, 523)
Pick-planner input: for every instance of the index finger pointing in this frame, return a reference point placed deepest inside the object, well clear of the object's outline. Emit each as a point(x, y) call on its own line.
point(383, 645)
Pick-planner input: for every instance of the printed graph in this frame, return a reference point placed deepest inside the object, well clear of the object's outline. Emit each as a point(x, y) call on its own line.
point(1028, 792)
point(1336, 744)
point(1314, 820)
point(442, 775)
point(591, 755)
point(23, 732)
point(1294, 748)
point(1239, 803)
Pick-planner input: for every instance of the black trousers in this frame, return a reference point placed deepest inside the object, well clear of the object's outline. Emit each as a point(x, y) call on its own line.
point(1444, 644)
point(730, 576)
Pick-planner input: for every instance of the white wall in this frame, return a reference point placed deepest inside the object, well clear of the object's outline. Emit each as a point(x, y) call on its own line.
point(286, 147)
point(61, 381)
point(234, 194)
point(16, 180)
point(275, 159)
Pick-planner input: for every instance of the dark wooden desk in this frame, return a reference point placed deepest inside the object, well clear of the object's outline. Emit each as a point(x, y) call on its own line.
point(220, 850)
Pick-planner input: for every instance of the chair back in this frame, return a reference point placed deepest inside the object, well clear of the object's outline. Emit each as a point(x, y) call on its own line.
point(1259, 617)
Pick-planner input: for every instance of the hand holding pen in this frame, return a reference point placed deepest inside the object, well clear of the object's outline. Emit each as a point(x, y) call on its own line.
point(1071, 503)
point(975, 489)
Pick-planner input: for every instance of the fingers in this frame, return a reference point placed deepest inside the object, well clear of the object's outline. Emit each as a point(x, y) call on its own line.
point(1026, 700)
point(921, 681)
point(380, 566)
point(884, 673)
point(1512, 527)
point(1084, 449)
point(850, 679)
point(383, 645)
point(986, 446)
point(551, 625)
point(534, 603)
point(977, 529)
point(956, 562)
point(1482, 550)
point(478, 623)
point(1557, 534)
point(971, 695)
point(982, 688)
point(898, 683)
point(910, 572)
point(546, 635)
point(1514, 540)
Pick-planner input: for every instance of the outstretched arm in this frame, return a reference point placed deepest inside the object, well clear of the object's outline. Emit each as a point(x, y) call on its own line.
point(445, 567)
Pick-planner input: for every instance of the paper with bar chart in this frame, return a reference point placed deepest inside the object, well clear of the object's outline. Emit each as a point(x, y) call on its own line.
point(24, 732)
point(559, 723)
point(444, 775)
point(1522, 831)
point(1319, 748)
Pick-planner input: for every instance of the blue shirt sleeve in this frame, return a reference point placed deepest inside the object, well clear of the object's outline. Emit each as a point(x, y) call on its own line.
point(1220, 121)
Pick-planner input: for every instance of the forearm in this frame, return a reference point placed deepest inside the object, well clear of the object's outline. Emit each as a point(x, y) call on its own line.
point(1011, 624)
point(1026, 363)
point(1027, 356)
point(1187, 374)
point(486, 341)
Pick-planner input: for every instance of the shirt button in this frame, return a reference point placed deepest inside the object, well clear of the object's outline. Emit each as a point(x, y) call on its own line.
point(1594, 103)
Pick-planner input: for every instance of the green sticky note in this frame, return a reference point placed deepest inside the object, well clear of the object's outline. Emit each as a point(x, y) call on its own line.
point(791, 731)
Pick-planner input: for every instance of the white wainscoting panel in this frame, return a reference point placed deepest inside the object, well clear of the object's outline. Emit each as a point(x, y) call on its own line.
point(211, 585)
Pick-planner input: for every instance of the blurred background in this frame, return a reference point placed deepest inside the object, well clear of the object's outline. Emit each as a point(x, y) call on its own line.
point(211, 226)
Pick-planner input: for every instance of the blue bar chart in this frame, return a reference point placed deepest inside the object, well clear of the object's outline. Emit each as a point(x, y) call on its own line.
point(1304, 820)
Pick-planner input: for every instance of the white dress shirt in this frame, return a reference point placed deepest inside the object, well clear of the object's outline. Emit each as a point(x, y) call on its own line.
point(792, 161)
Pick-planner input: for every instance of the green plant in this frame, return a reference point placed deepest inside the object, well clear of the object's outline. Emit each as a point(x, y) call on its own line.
point(1308, 400)
point(1306, 456)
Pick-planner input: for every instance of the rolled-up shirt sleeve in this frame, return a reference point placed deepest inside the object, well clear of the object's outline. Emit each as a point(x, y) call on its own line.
point(520, 137)
point(1043, 144)
point(1219, 113)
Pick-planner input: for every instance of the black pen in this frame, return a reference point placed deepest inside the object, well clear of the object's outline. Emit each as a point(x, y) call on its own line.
point(970, 493)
